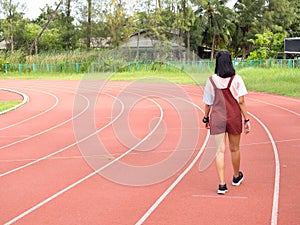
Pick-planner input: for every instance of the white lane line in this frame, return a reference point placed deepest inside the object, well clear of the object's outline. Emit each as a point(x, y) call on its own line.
point(173, 185)
point(15, 219)
point(219, 196)
point(265, 94)
point(24, 101)
point(276, 106)
point(30, 118)
point(69, 146)
point(277, 162)
point(44, 131)
point(277, 174)
point(276, 185)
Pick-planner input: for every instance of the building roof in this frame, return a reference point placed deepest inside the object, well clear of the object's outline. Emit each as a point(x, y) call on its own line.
point(142, 40)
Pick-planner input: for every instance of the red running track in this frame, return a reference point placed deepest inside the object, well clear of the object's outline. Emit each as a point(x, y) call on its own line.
point(44, 179)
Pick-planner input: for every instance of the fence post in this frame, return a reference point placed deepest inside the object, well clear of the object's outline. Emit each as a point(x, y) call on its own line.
point(33, 67)
point(20, 68)
point(290, 63)
point(184, 66)
point(200, 66)
point(251, 63)
point(76, 67)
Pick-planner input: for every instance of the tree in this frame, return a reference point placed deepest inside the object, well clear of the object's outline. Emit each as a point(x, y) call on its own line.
point(11, 11)
point(294, 29)
point(119, 26)
point(50, 18)
point(248, 18)
point(89, 25)
point(185, 20)
point(69, 25)
point(278, 15)
point(214, 22)
point(139, 21)
point(266, 45)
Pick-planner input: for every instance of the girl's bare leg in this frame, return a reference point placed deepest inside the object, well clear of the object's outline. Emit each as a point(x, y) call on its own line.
point(220, 156)
point(234, 145)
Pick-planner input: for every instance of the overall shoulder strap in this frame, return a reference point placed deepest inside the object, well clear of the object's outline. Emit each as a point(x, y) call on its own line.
point(212, 82)
point(230, 81)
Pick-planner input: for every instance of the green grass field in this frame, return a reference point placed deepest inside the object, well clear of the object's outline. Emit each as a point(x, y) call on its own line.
point(276, 81)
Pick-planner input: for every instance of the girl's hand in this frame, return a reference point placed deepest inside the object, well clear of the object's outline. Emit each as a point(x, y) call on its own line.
point(206, 121)
point(247, 126)
point(207, 125)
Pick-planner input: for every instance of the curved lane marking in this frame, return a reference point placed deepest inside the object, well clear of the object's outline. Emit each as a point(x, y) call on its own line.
point(44, 131)
point(276, 106)
point(277, 173)
point(173, 185)
point(15, 219)
point(24, 101)
point(30, 118)
point(65, 148)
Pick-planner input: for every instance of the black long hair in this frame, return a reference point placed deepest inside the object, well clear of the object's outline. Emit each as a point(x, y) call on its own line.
point(224, 67)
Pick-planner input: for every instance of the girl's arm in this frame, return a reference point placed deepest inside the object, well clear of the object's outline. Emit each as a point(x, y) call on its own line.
point(244, 111)
point(207, 110)
point(206, 114)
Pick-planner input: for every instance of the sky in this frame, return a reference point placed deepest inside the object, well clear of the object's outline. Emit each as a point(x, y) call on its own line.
point(33, 6)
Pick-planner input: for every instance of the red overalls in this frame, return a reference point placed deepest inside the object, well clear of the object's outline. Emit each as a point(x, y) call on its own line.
point(226, 113)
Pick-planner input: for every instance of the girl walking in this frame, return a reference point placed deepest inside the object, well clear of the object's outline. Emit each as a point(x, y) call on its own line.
point(224, 107)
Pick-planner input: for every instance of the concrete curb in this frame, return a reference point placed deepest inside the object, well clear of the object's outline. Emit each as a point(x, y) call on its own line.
point(24, 96)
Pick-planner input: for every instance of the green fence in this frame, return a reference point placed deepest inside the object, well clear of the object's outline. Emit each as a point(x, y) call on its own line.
point(191, 66)
point(46, 68)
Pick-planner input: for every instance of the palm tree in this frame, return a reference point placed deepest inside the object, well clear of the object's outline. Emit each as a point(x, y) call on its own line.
point(215, 24)
point(89, 25)
point(248, 13)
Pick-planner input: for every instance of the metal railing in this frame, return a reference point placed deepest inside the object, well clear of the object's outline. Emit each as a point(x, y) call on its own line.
point(194, 66)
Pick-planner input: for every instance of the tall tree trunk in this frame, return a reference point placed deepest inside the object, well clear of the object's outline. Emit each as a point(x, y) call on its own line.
point(185, 32)
point(51, 17)
point(36, 46)
point(68, 13)
point(213, 48)
point(189, 45)
point(89, 26)
point(244, 52)
point(137, 57)
point(11, 29)
point(158, 4)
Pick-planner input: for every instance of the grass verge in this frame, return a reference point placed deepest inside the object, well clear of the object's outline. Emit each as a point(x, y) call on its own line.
point(8, 104)
point(282, 81)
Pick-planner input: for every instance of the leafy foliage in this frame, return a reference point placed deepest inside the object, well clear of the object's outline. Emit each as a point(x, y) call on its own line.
point(77, 26)
point(267, 45)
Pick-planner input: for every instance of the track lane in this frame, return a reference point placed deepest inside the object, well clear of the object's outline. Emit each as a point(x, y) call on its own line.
point(79, 199)
point(149, 197)
point(72, 185)
point(281, 114)
point(197, 202)
point(29, 147)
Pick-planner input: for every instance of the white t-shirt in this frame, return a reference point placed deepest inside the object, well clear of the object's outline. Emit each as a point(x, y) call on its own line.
point(237, 88)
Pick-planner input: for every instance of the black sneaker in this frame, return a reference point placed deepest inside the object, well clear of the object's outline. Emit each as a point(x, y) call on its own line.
point(222, 189)
point(236, 181)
